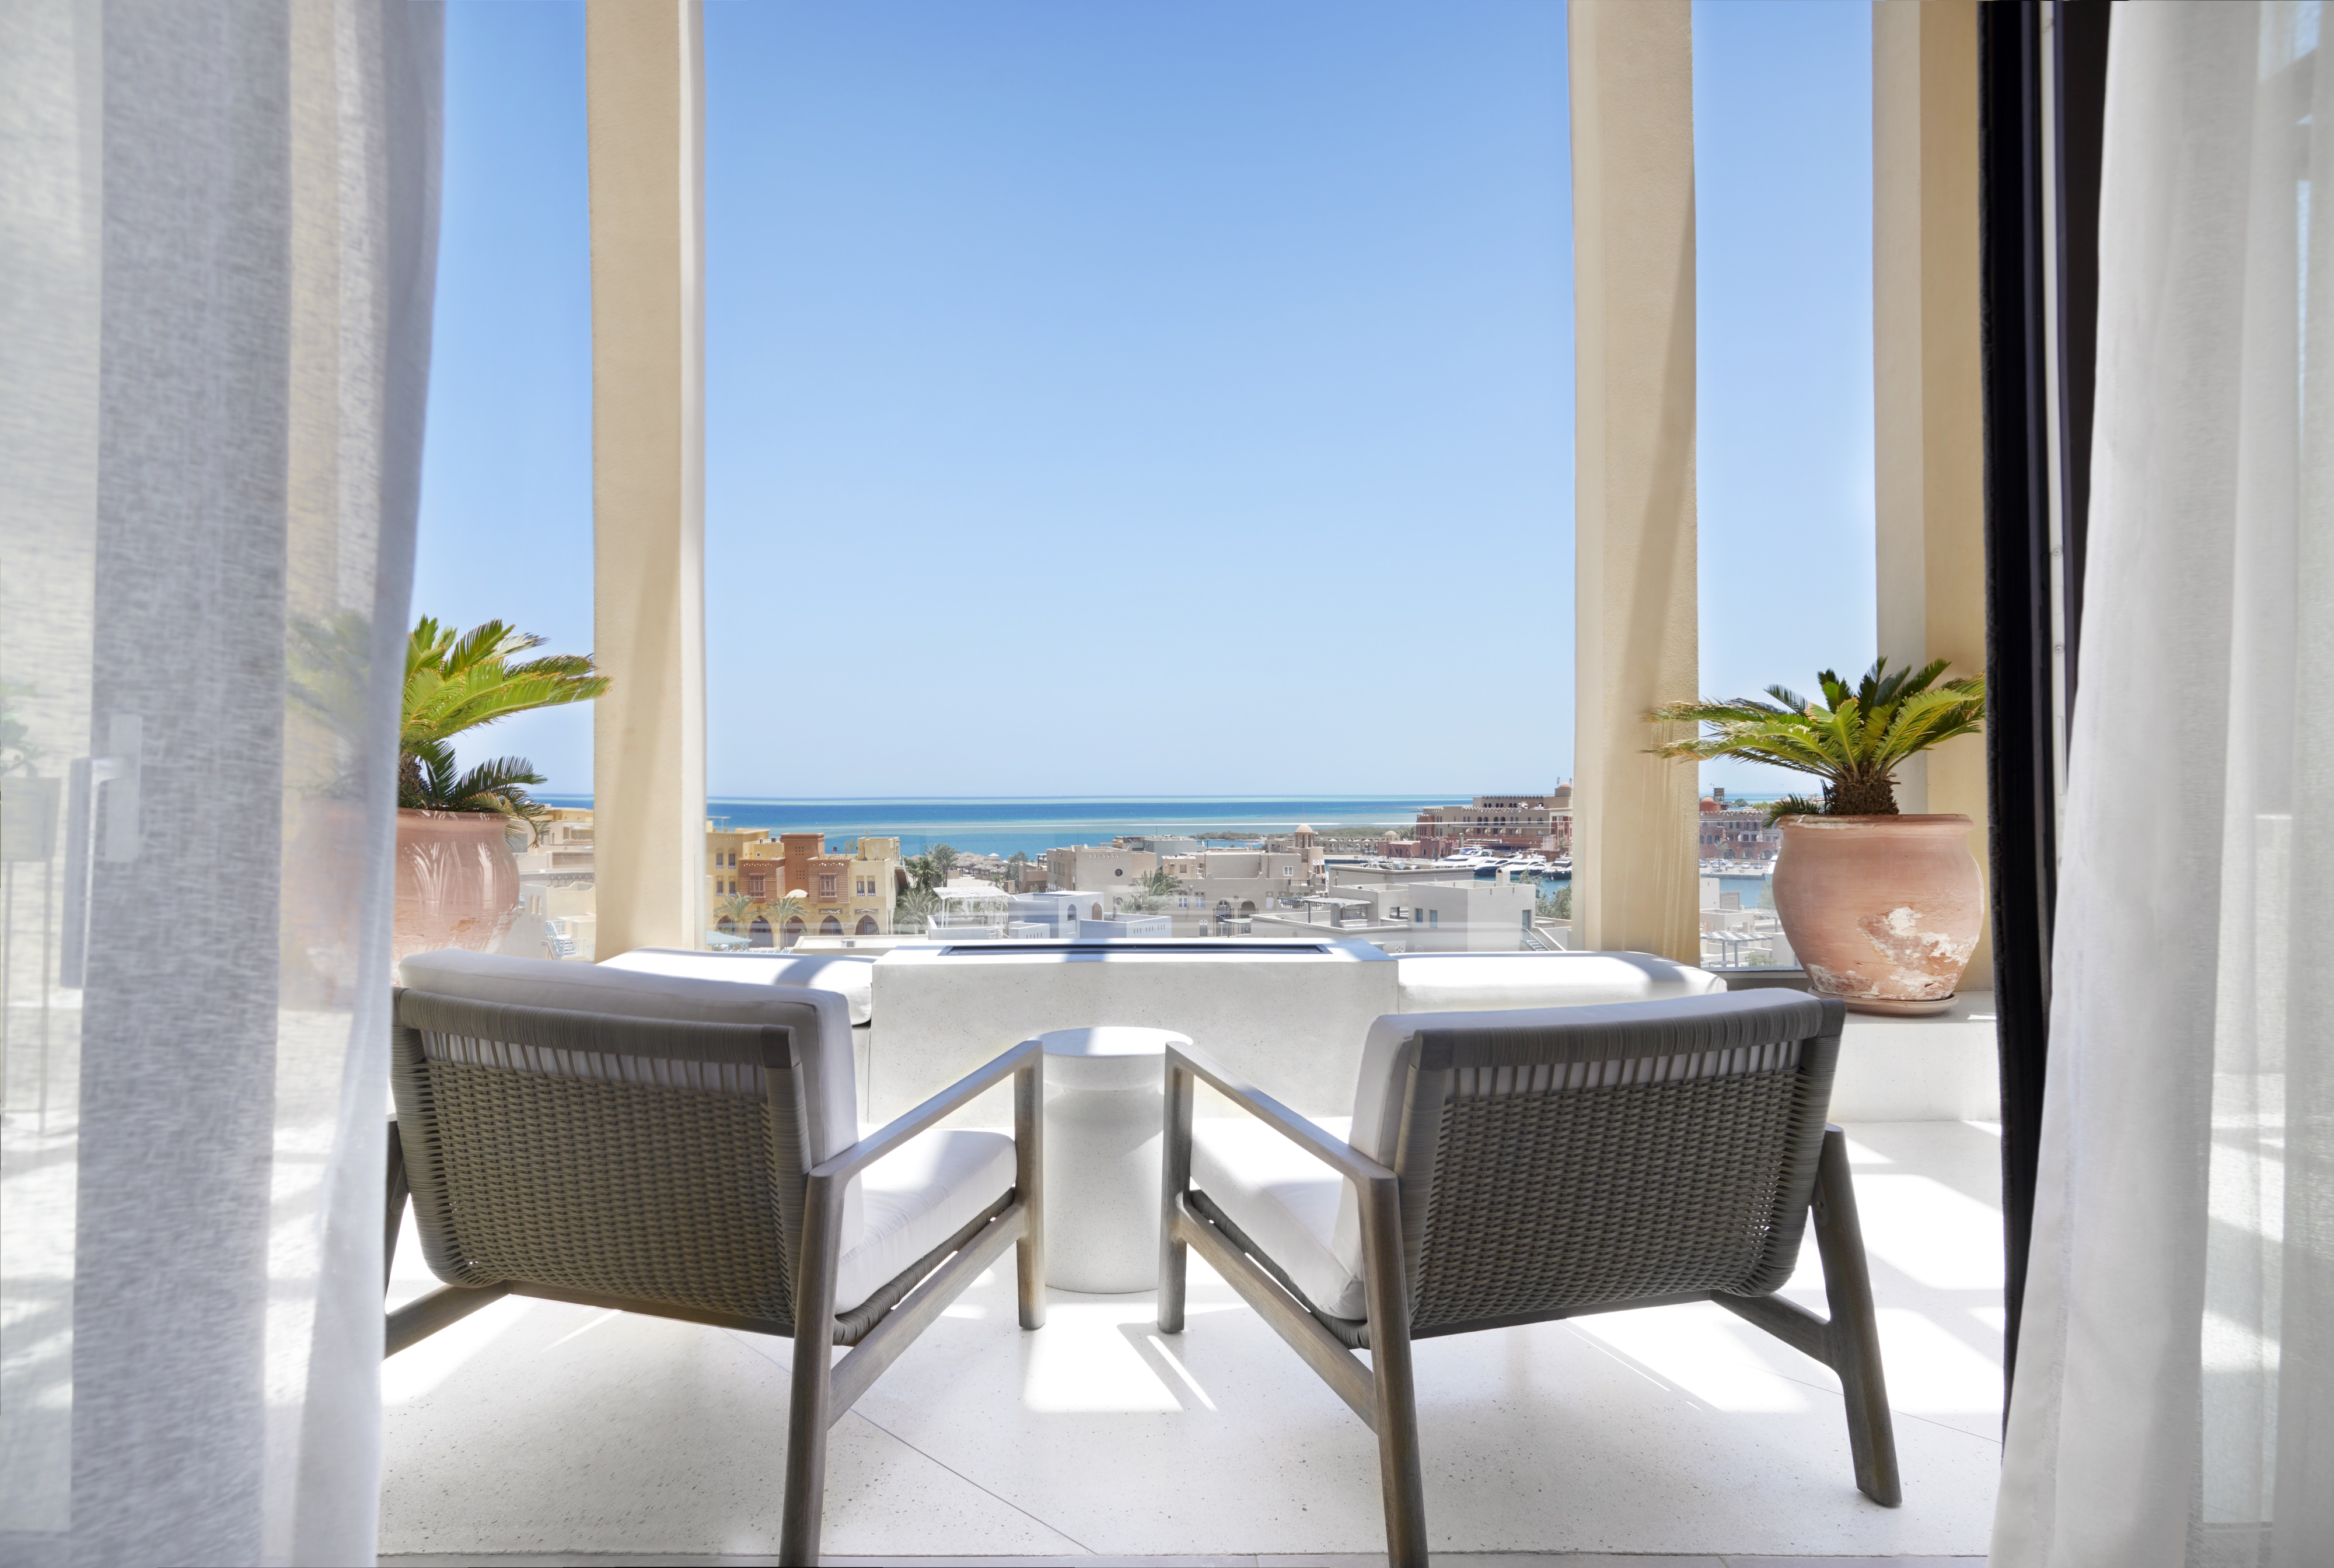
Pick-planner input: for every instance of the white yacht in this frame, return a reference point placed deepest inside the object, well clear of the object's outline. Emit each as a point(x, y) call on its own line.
point(1473, 858)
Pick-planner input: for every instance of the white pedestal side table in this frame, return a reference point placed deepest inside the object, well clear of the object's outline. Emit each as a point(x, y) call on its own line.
point(1106, 1094)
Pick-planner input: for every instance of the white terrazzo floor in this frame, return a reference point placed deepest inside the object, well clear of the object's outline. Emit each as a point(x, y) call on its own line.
point(539, 1432)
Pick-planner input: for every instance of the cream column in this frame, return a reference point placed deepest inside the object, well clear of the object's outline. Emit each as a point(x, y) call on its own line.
point(1928, 405)
point(645, 64)
point(1636, 821)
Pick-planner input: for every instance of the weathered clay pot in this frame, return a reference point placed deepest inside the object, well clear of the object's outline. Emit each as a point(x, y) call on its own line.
point(1884, 912)
point(456, 882)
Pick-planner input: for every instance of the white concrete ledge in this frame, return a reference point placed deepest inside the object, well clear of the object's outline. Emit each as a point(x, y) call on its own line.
point(1291, 1016)
point(1943, 1068)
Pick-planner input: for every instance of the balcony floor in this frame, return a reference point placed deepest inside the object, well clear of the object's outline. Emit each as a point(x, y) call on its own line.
point(545, 1433)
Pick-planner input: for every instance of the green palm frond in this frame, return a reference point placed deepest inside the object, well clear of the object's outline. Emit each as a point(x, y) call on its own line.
point(430, 783)
point(458, 681)
point(1792, 806)
point(1853, 739)
point(455, 681)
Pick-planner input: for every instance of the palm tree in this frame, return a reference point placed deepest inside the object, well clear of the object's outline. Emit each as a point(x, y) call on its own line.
point(1150, 893)
point(929, 872)
point(458, 681)
point(736, 911)
point(1854, 740)
point(914, 909)
point(778, 911)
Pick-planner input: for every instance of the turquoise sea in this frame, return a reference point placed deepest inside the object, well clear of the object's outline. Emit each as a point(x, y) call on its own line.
point(1033, 826)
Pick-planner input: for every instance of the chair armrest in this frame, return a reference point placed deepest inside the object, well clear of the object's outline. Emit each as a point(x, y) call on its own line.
point(884, 1139)
point(1340, 1157)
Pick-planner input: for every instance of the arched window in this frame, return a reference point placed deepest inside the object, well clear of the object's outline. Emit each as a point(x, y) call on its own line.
point(1098, 910)
point(830, 927)
point(725, 924)
point(1248, 907)
point(758, 935)
point(866, 924)
point(794, 930)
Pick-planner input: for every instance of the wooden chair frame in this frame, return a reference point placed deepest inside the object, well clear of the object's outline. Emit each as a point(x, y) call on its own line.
point(821, 1390)
point(1383, 1393)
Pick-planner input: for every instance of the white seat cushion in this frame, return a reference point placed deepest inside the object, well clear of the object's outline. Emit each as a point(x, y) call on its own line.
point(1496, 981)
point(852, 978)
point(1286, 1202)
point(916, 1198)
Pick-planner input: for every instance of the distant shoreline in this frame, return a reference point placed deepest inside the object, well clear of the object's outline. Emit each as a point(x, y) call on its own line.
point(1033, 824)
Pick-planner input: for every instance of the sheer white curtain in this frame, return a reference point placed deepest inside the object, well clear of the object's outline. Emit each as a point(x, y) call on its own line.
point(217, 242)
point(2175, 1395)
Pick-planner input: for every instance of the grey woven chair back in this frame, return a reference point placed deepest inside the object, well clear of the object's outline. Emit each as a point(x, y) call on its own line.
point(1630, 1153)
point(602, 1157)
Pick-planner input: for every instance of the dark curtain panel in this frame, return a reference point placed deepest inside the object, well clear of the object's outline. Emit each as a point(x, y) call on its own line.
point(2026, 291)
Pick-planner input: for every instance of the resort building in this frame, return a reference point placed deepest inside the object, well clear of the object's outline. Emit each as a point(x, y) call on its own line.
point(1733, 832)
point(841, 894)
point(723, 845)
point(558, 904)
point(1542, 822)
point(1097, 868)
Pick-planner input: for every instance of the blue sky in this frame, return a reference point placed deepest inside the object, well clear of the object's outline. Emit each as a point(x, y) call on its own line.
point(1151, 399)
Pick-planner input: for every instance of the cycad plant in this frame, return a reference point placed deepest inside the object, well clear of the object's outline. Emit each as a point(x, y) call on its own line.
point(1853, 740)
point(456, 681)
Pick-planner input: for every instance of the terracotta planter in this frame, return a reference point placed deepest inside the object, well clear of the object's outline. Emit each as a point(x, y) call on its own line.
point(456, 882)
point(1882, 912)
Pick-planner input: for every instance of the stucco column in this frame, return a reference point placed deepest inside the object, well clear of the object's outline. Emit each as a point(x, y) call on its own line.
point(646, 77)
point(1928, 409)
point(1635, 835)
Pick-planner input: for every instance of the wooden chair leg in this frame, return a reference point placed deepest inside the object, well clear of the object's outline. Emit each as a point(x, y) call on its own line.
point(1029, 1178)
point(1394, 1393)
point(1175, 1176)
point(812, 1391)
point(1854, 1330)
point(805, 1505)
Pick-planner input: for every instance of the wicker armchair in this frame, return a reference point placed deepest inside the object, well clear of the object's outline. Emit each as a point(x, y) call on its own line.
point(1509, 1167)
point(689, 1147)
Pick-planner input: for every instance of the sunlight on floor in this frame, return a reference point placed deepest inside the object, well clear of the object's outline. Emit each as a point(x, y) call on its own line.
point(1940, 1238)
point(1108, 1356)
point(539, 1426)
point(1698, 1350)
